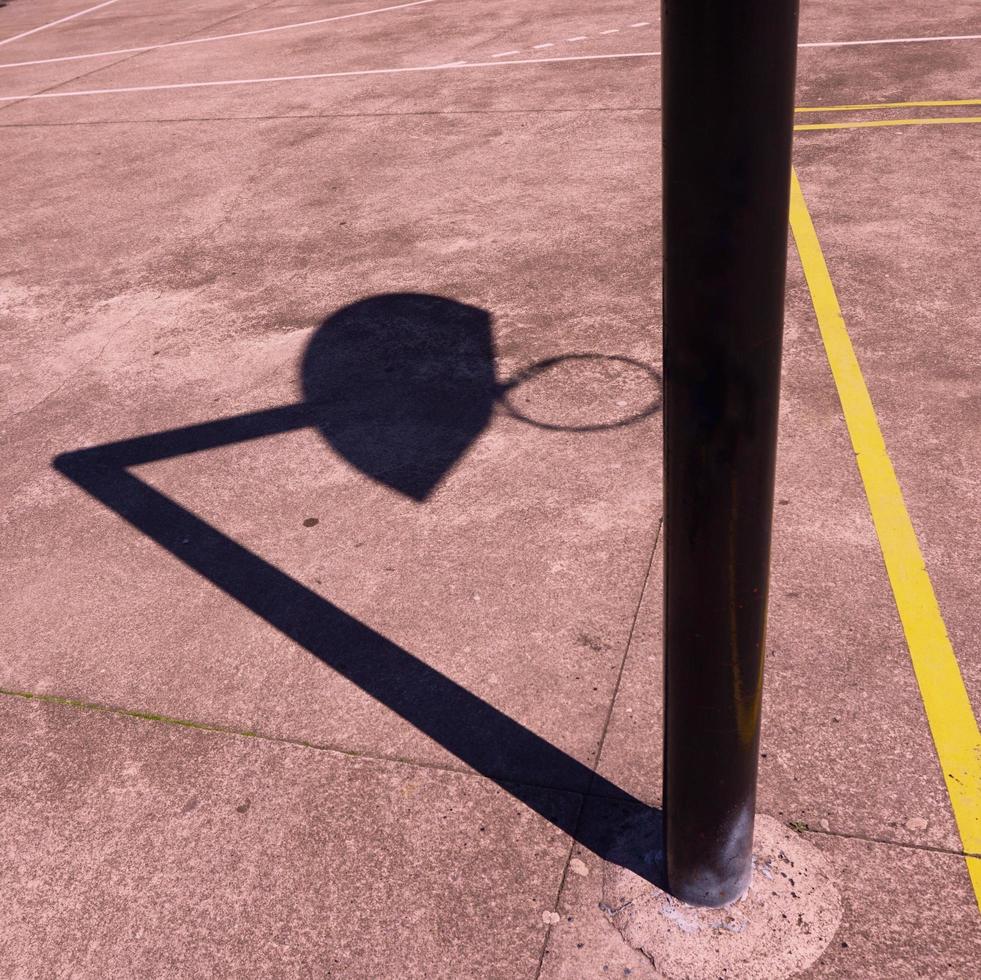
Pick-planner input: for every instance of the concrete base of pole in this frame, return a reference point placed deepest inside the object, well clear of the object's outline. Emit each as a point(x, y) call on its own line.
point(779, 927)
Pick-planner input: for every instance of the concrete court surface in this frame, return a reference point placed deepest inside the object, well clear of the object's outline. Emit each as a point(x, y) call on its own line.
point(299, 684)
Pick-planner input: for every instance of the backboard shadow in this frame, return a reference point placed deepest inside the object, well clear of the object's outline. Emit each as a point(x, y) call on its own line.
point(481, 736)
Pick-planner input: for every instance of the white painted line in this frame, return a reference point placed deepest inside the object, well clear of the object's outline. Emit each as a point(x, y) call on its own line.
point(399, 71)
point(53, 23)
point(579, 37)
point(505, 54)
point(380, 10)
point(202, 40)
point(547, 44)
point(890, 40)
point(60, 94)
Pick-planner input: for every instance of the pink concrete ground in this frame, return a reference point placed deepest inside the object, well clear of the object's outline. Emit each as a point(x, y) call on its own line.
point(394, 714)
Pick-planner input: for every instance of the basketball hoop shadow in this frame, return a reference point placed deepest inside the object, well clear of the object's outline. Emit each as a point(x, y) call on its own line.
point(488, 741)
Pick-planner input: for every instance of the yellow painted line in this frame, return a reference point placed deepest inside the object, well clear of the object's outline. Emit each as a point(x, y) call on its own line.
point(886, 105)
point(948, 708)
point(875, 123)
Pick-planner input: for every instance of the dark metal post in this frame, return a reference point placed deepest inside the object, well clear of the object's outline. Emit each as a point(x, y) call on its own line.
point(728, 89)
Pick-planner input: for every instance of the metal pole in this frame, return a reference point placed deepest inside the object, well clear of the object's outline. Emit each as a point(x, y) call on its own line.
point(728, 88)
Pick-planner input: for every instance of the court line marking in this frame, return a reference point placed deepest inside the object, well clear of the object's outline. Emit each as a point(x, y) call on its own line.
point(455, 66)
point(570, 40)
point(54, 23)
point(313, 76)
point(803, 44)
point(308, 23)
point(889, 40)
point(948, 708)
point(879, 123)
point(886, 105)
point(211, 37)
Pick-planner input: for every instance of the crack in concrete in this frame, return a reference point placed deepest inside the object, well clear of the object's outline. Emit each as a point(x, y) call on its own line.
point(72, 375)
point(599, 749)
point(891, 843)
point(218, 729)
point(329, 115)
point(630, 637)
point(589, 793)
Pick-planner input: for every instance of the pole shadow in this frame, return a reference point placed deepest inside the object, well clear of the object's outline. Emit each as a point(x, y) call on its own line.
point(400, 386)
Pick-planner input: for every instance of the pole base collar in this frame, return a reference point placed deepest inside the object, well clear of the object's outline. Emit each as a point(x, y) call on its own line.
point(780, 926)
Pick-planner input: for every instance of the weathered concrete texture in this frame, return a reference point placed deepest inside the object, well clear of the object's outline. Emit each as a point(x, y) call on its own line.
point(18, 16)
point(892, 73)
point(116, 26)
point(907, 913)
point(844, 20)
point(475, 614)
point(910, 293)
point(140, 849)
point(888, 72)
point(192, 295)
